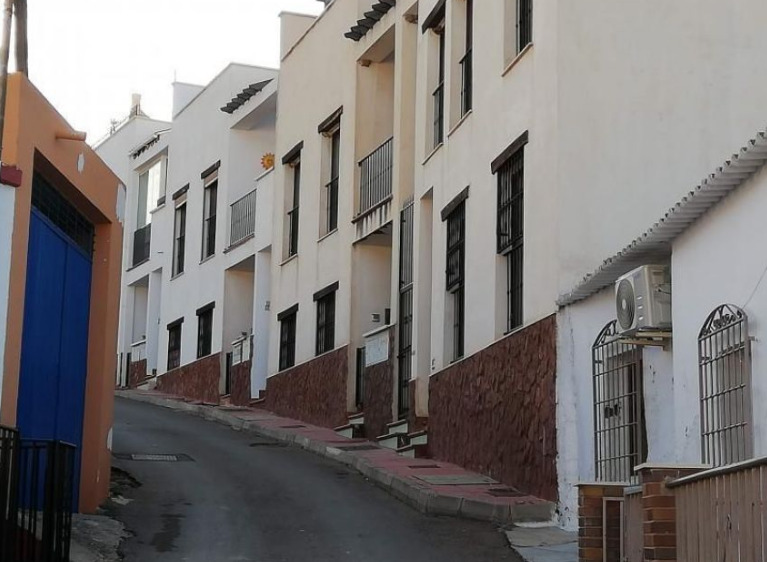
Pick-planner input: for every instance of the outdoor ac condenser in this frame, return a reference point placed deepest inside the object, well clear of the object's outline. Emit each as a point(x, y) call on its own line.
point(643, 299)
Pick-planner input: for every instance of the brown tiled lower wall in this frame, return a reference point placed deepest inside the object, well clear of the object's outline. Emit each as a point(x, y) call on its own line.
point(379, 394)
point(136, 373)
point(198, 381)
point(240, 391)
point(314, 392)
point(495, 411)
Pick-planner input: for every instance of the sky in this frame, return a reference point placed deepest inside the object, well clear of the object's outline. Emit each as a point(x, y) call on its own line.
point(88, 56)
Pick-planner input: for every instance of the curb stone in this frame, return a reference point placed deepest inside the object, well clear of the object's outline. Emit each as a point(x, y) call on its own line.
point(419, 497)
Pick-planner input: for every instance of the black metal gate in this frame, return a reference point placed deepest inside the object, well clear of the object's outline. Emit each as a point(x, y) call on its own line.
point(36, 498)
point(405, 323)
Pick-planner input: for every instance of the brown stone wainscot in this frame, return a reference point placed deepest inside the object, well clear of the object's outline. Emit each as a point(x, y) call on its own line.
point(240, 384)
point(136, 373)
point(495, 411)
point(197, 381)
point(314, 392)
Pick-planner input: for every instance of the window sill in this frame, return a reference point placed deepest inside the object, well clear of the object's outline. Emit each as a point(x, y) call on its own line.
point(432, 153)
point(289, 259)
point(326, 236)
point(157, 208)
point(177, 275)
point(239, 243)
point(136, 266)
point(516, 59)
point(459, 123)
point(205, 260)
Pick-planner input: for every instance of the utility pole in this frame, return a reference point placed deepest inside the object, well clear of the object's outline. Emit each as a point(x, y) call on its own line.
point(22, 52)
point(5, 48)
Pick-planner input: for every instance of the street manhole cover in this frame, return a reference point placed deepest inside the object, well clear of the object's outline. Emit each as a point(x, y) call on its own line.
point(267, 444)
point(357, 447)
point(153, 457)
point(457, 480)
point(505, 493)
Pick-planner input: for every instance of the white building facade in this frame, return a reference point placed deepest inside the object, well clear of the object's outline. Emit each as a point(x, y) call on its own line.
point(196, 265)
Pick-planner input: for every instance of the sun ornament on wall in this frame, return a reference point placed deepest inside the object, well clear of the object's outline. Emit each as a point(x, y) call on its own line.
point(267, 161)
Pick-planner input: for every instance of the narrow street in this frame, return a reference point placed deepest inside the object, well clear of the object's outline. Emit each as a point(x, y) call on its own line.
point(238, 497)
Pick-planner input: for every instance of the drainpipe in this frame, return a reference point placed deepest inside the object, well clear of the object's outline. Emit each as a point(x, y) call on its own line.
point(22, 51)
point(5, 48)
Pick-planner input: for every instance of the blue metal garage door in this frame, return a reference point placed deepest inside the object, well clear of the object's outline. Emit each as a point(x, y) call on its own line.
point(54, 349)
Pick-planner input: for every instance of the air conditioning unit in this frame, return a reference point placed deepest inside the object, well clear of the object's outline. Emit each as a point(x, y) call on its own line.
point(643, 299)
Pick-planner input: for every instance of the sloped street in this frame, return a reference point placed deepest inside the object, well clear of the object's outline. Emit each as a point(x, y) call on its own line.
point(234, 496)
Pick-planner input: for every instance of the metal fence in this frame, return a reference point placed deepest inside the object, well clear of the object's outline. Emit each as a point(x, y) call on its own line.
point(36, 498)
point(376, 176)
point(243, 218)
point(721, 514)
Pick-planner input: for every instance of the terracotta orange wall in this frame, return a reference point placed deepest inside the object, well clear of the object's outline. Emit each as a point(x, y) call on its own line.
point(30, 143)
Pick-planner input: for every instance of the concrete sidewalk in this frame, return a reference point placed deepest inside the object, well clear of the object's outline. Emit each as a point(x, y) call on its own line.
point(454, 492)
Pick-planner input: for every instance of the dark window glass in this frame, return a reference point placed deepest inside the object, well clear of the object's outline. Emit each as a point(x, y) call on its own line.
point(326, 323)
point(293, 212)
point(332, 187)
point(524, 23)
point(204, 332)
point(209, 220)
point(174, 346)
point(288, 342)
point(466, 61)
point(179, 239)
point(438, 97)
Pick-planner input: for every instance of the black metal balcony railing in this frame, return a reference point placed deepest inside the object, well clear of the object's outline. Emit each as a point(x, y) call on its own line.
point(438, 98)
point(376, 176)
point(243, 222)
point(36, 498)
point(141, 240)
point(466, 80)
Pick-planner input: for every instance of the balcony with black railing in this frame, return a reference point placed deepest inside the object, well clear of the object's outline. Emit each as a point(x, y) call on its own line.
point(142, 238)
point(375, 192)
point(243, 218)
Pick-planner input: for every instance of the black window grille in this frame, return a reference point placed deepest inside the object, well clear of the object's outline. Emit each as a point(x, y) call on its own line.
point(405, 324)
point(524, 24)
point(466, 61)
point(52, 205)
point(288, 341)
point(438, 97)
point(179, 239)
point(293, 212)
point(204, 330)
point(331, 195)
point(326, 323)
point(360, 379)
point(510, 236)
point(209, 220)
point(456, 247)
point(174, 345)
point(142, 239)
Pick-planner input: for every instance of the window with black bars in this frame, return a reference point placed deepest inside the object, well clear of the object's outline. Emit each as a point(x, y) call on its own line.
point(293, 212)
point(52, 204)
point(466, 61)
point(209, 220)
point(456, 247)
point(288, 341)
point(326, 323)
point(511, 232)
point(204, 331)
point(179, 239)
point(524, 24)
point(438, 97)
point(174, 345)
point(331, 195)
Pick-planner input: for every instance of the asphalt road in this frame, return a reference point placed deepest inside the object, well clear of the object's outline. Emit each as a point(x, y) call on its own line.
point(243, 498)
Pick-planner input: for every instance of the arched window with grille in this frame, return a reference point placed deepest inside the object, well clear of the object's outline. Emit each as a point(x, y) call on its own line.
point(724, 363)
point(620, 438)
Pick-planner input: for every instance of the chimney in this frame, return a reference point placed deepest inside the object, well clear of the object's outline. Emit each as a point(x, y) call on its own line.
point(135, 105)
